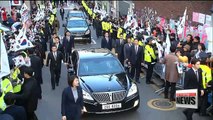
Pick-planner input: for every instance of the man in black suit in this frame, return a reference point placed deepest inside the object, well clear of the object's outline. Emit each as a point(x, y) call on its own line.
point(106, 42)
point(59, 45)
point(52, 41)
point(136, 57)
point(47, 31)
point(17, 112)
point(62, 12)
point(36, 65)
point(28, 97)
point(119, 46)
point(193, 80)
point(127, 49)
point(68, 44)
point(55, 58)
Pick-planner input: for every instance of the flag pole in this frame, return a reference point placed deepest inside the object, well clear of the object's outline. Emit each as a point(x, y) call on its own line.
point(184, 16)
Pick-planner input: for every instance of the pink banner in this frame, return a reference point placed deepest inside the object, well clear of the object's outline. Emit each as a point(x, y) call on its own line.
point(195, 17)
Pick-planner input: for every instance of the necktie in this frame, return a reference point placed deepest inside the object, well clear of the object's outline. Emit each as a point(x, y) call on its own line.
point(197, 76)
point(55, 56)
point(136, 49)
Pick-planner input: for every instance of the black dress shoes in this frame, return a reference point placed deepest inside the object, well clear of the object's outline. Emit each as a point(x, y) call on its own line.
point(149, 82)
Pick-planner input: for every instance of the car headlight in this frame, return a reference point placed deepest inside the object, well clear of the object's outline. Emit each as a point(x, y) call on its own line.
point(86, 95)
point(87, 32)
point(133, 89)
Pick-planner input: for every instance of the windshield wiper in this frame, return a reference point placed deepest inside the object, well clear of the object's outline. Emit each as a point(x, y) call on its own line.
point(82, 80)
point(112, 74)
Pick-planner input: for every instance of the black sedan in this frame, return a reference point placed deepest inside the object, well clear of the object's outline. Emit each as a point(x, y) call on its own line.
point(106, 86)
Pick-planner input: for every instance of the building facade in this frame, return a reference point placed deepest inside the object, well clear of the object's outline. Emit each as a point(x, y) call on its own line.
point(115, 8)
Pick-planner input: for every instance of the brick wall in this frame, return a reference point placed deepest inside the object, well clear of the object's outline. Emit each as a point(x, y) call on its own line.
point(173, 9)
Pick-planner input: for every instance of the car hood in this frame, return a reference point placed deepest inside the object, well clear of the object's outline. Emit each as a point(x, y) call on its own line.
point(105, 83)
point(80, 29)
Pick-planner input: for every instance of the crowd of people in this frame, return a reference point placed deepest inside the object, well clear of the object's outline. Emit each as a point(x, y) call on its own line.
point(20, 99)
point(134, 48)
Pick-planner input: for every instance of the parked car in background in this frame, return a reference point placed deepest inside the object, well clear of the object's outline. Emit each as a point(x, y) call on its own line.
point(79, 28)
point(76, 13)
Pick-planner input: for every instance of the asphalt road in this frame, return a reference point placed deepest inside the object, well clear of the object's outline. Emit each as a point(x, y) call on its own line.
point(49, 108)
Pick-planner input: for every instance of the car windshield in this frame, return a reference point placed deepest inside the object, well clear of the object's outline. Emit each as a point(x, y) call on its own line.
point(76, 15)
point(99, 66)
point(76, 23)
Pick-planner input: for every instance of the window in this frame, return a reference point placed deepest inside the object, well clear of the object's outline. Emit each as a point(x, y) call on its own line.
point(99, 66)
point(76, 15)
point(76, 23)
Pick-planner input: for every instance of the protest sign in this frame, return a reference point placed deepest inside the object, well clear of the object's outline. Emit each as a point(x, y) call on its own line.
point(201, 18)
point(209, 32)
point(208, 20)
point(187, 98)
point(195, 17)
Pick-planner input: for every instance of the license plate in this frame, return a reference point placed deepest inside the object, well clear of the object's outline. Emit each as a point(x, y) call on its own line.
point(78, 38)
point(111, 106)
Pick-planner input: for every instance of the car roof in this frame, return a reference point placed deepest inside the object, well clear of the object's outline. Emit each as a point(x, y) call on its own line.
point(94, 53)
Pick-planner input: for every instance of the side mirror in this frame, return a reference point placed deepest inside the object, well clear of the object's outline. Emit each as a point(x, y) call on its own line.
point(63, 25)
point(65, 17)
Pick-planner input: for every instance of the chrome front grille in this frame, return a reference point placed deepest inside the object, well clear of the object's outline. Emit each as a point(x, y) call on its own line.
point(78, 33)
point(108, 97)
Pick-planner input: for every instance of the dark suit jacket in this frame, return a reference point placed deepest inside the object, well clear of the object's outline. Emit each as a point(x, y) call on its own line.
point(37, 67)
point(54, 64)
point(28, 97)
point(105, 44)
point(136, 58)
point(51, 44)
point(68, 45)
point(6, 117)
point(119, 46)
point(17, 112)
point(191, 82)
point(61, 11)
point(127, 50)
point(61, 48)
point(69, 107)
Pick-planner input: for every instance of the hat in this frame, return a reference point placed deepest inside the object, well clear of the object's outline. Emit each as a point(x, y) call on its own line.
point(149, 38)
point(187, 47)
point(203, 56)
